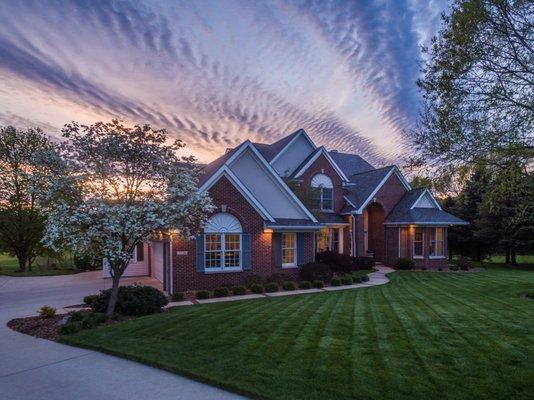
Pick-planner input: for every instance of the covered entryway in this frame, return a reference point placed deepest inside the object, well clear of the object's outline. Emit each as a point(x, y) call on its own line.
point(374, 234)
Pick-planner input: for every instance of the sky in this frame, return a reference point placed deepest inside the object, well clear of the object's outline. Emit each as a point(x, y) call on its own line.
point(215, 73)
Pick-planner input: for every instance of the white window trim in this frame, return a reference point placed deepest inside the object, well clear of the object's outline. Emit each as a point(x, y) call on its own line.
point(422, 256)
point(294, 263)
point(322, 194)
point(438, 257)
point(222, 268)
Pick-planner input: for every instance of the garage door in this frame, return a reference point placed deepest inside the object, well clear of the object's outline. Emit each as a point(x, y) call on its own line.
point(157, 260)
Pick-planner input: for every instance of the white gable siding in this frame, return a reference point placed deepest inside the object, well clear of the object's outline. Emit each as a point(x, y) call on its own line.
point(425, 202)
point(264, 188)
point(293, 156)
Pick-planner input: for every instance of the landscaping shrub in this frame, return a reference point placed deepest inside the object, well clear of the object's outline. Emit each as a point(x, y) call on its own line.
point(278, 278)
point(47, 311)
point(271, 287)
point(202, 295)
point(256, 288)
point(221, 292)
point(404, 263)
point(305, 285)
point(132, 300)
point(89, 299)
point(314, 271)
point(318, 284)
point(363, 262)
point(252, 279)
point(464, 263)
point(239, 290)
point(91, 320)
point(70, 328)
point(288, 285)
point(178, 296)
point(364, 278)
point(335, 282)
point(454, 268)
point(337, 262)
point(346, 280)
point(75, 316)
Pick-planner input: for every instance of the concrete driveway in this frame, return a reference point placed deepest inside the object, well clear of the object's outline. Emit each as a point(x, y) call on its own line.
point(32, 368)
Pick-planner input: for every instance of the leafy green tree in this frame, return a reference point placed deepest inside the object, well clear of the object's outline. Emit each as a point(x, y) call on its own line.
point(21, 220)
point(478, 87)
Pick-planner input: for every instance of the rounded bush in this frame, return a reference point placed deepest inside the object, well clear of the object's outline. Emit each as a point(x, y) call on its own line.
point(89, 299)
point(346, 280)
point(178, 296)
point(288, 285)
point(256, 288)
point(132, 300)
point(76, 316)
point(335, 282)
point(239, 290)
point(202, 295)
point(364, 278)
point(404, 263)
point(305, 285)
point(319, 284)
point(363, 262)
point(271, 287)
point(314, 271)
point(91, 320)
point(454, 268)
point(221, 292)
point(47, 311)
point(70, 328)
point(464, 263)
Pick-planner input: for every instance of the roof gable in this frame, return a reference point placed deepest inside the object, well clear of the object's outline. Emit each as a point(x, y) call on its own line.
point(308, 162)
point(293, 153)
point(426, 200)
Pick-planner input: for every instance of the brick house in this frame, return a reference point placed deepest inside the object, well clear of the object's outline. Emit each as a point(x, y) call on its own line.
point(279, 204)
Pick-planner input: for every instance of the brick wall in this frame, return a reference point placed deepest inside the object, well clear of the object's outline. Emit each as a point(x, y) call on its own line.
point(407, 234)
point(185, 275)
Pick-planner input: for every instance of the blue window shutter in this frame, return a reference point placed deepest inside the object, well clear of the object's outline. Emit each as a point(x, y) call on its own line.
point(277, 248)
point(246, 262)
point(200, 253)
point(300, 248)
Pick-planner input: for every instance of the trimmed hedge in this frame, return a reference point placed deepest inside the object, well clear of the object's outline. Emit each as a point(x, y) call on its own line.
point(313, 271)
point(239, 290)
point(346, 280)
point(132, 300)
point(178, 296)
point(202, 295)
point(343, 262)
point(318, 284)
point(305, 285)
point(335, 282)
point(256, 288)
point(271, 287)
point(221, 292)
point(89, 299)
point(288, 285)
point(404, 263)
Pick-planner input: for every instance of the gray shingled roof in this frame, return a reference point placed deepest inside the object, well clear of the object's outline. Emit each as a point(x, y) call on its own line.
point(402, 213)
point(363, 184)
point(269, 151)
point(304, 223)
point(209, 169)
point(330, 218)
point(350, 164)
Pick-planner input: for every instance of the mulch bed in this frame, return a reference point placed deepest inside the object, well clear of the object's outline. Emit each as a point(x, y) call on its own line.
point(41, 327)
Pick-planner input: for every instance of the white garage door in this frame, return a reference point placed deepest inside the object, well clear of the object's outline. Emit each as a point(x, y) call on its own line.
point(157, 260)
point(138, 265)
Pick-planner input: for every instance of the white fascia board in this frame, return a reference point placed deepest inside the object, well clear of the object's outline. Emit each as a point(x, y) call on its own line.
point(426, 191)
point(225, 171)
point(328, 158)
point(287, 146)
point(348, 201)
point(439, 224)
point(403, 180)
point(289, 193)
point(374, 192)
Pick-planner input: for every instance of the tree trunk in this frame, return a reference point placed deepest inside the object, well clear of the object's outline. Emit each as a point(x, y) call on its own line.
point(507, 256)
point(512, 256)
point(113, 297)
point(22, 262)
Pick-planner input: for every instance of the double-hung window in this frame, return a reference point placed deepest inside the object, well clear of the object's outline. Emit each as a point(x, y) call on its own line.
point(418, 238)
point(289, 250)
point(437, 243)
point(222, 243)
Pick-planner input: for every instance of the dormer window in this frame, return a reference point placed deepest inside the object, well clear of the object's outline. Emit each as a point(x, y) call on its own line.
point(325, 192)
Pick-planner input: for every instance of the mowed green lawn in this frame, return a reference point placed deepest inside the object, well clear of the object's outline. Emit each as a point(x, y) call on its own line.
point(425, 335)
point(10, 266)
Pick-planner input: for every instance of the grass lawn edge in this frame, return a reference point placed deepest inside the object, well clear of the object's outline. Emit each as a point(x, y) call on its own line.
point(177, 371)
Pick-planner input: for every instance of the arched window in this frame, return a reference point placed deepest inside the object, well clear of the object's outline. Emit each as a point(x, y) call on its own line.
point(222, 243)
point(325, 193)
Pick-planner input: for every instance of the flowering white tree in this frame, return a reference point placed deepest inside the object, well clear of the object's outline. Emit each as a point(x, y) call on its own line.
point(121, 186)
